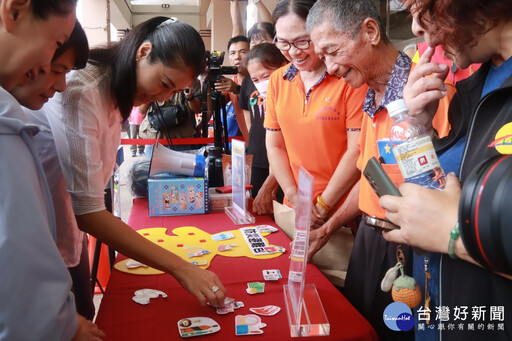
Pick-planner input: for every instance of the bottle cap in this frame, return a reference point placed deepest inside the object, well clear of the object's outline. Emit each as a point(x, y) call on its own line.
point(396, 107)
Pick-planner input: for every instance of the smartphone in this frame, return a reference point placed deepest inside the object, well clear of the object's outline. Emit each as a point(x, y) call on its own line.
point(380, 225)
point(382, 185)
point(379, 180)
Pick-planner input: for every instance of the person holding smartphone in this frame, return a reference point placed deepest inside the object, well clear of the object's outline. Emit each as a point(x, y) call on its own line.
point(481, 114)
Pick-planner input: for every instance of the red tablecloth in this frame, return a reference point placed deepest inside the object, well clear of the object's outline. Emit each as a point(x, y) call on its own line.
point(123, 319)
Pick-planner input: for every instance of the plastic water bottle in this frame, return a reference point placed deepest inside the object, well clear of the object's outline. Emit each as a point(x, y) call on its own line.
point(413, 149)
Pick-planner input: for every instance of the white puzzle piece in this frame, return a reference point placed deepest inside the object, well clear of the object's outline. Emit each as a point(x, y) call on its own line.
point(133, 264)
point(142, 296)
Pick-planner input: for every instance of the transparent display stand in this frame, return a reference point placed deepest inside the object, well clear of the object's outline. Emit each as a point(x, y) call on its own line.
point(313, 321)
point(306, 315)
point(238, 212)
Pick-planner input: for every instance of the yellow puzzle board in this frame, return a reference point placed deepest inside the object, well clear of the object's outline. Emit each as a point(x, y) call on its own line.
point(190, 236)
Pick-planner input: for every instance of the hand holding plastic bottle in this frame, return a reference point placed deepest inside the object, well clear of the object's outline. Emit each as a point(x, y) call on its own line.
point(413, 149)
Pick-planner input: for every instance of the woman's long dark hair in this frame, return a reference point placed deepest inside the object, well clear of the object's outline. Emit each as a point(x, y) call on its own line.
point(174, 44)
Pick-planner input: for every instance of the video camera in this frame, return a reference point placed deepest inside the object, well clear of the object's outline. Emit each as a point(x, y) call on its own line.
point(214, 61)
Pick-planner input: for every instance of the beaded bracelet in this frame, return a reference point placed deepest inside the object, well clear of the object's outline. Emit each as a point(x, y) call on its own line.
point(322, 203)
point(454, 234)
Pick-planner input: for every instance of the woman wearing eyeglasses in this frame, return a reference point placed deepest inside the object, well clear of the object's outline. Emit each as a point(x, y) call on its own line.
point(313, 119)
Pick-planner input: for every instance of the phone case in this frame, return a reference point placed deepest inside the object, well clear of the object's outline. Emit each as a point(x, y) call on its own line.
point(379, 180)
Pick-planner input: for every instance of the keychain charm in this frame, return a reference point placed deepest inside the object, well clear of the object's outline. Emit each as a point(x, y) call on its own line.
point(404, 288)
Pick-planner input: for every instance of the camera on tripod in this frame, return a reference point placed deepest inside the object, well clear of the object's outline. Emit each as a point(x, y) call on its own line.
point(214, 61)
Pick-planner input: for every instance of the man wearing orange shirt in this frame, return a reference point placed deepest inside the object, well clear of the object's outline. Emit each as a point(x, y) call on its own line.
point(348, 35)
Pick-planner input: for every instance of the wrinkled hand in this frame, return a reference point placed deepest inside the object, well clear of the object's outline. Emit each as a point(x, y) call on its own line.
point(263, 202)
point(317, 239)
point(87, 330)
point(425, 216)
point(318, 216)
point(422, 93)
point(200, 282)
point(225, 84)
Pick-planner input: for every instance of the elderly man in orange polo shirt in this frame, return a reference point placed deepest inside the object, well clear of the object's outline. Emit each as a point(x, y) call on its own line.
point(312, 119)
point(349, 37)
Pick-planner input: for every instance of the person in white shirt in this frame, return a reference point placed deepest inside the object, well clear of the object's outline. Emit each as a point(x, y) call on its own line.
point(155, 60)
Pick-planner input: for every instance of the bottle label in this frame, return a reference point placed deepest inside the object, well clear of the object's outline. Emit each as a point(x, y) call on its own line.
point(415, 157)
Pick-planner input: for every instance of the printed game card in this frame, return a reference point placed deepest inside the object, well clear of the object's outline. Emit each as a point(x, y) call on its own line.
point(254, 240)
point(272, 275)
point(195, 326)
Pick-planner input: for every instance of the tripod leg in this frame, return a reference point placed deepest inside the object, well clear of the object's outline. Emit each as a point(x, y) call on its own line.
point(225, 118)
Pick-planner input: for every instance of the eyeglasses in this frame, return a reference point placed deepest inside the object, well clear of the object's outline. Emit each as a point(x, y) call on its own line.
point(299, 44)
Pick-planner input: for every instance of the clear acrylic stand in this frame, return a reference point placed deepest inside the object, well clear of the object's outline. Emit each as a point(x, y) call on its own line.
point(306, 314)
point(313, 320)
point(238, 213)
point(239, 218)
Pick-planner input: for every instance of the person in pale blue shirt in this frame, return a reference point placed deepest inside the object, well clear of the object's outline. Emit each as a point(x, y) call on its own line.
point(37, 303)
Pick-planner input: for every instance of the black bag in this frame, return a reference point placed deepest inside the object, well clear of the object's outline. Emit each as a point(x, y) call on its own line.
point(168, 117)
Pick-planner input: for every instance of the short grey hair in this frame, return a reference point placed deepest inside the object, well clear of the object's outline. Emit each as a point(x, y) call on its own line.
point(346, 16)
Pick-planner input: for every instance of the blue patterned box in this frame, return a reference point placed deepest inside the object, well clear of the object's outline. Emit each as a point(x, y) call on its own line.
point(170, 195)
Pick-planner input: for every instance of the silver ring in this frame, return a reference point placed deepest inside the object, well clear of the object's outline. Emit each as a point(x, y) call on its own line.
point(215, 289)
